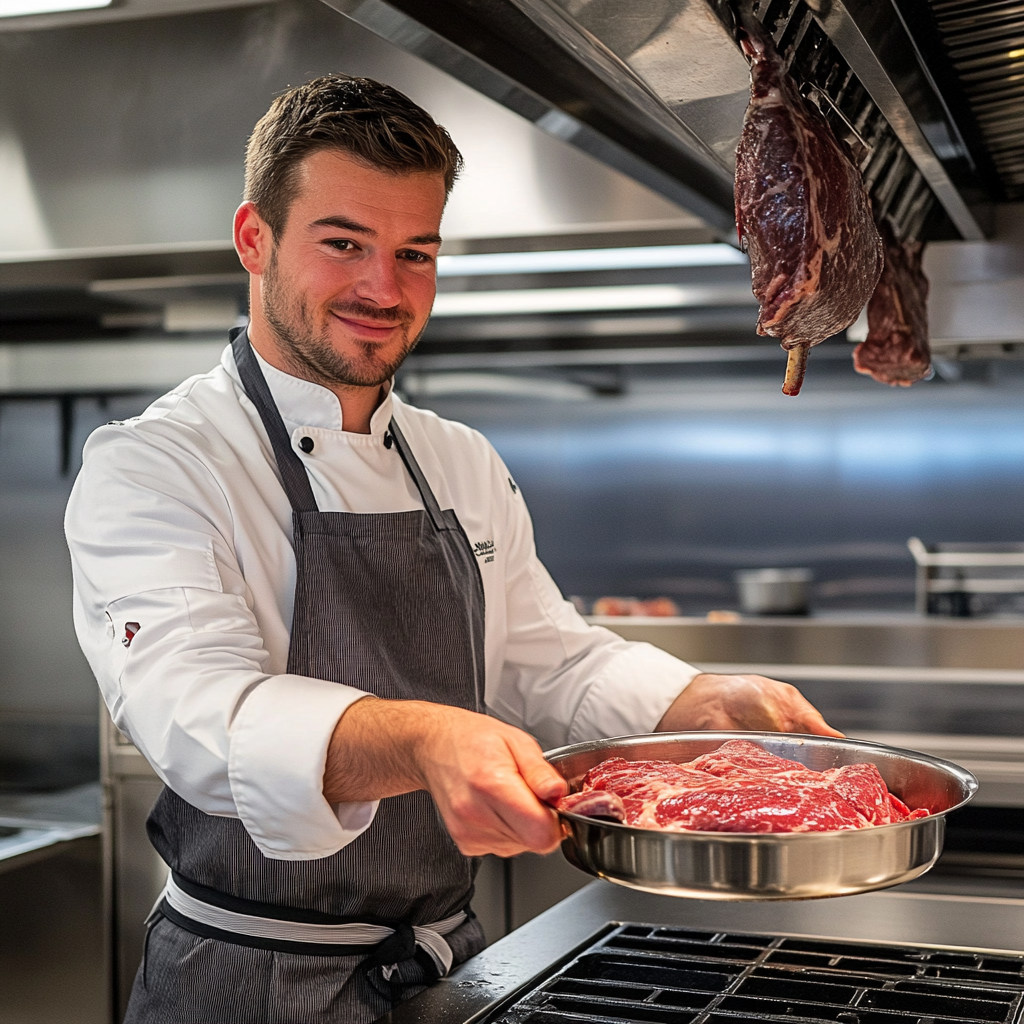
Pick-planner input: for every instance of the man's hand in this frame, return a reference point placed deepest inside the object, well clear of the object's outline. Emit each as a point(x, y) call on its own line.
point(489, 780)
point(743, 702)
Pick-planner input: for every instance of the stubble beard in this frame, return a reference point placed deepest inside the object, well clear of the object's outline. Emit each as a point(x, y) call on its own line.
point(307, 345)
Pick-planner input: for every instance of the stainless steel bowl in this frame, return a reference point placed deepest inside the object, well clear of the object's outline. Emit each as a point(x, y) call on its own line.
point(758, 866)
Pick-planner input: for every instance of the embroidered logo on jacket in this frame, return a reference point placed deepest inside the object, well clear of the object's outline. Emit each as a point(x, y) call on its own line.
point(484, 549)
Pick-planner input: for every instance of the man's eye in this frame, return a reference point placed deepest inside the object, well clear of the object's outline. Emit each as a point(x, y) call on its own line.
point(413, 256)
point(341, 244)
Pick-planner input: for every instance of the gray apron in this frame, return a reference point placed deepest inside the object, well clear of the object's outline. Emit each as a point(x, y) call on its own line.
point(391, 603)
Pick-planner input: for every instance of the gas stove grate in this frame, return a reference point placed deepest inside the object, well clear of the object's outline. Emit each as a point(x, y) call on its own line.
point(645, 973)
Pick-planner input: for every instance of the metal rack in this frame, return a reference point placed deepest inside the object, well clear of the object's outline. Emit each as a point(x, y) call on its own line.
point(967, 579)
point(898, 188)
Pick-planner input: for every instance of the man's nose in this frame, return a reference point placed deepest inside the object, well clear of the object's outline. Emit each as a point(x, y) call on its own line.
point(378, 282)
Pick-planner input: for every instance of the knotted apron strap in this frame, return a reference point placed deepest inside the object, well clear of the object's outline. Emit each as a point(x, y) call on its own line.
point(405, 943)
point(386, 947)
point(293, 473)
point(429, 501)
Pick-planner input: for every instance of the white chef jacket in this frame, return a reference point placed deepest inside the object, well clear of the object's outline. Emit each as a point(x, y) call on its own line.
point(181, 544)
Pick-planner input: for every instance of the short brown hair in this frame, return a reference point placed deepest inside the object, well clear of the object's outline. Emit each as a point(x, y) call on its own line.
point(367, 119)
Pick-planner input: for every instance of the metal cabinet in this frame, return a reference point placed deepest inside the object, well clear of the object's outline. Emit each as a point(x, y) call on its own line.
point(133, 873)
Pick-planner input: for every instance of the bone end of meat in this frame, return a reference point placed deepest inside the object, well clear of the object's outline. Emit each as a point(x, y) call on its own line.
point(796, 367)
point(596, 803)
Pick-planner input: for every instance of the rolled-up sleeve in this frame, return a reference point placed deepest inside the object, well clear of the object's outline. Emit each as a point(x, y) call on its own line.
point(564, 680)
point(179, 657)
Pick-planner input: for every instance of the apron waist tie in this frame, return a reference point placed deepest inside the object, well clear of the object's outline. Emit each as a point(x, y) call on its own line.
point(386, 947)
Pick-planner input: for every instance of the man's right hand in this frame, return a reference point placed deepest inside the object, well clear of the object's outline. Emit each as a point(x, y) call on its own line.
point(488, 779)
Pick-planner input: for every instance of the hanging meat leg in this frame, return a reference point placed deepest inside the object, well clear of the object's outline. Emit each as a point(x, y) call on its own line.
point(802, 212)
point(896, 348)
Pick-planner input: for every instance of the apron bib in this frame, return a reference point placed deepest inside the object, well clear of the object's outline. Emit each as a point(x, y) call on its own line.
point(390, 603)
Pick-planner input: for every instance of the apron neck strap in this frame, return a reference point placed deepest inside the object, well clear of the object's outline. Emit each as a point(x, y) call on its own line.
point(293, 473)
point(426, 494)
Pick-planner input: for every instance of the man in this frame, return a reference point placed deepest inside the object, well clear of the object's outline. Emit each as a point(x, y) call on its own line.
point(277, 589)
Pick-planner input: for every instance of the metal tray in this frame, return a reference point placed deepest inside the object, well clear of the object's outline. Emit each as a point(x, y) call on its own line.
point(759, 866)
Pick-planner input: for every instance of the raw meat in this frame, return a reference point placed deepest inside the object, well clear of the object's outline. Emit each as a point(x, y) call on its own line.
point(740, 787)
point(595, 803)
point(802, 212)
point(635, 784)
point(896, 348)
point(738, 757)
point(656, 607)
point(863, 787)
point(767, 805)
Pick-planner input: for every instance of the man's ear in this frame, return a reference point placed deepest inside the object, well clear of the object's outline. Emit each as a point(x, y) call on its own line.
point(254, 240)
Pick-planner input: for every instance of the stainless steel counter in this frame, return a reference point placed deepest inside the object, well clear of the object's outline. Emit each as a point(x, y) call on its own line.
point(893, 641)
point(896, 916)
point(32, 825)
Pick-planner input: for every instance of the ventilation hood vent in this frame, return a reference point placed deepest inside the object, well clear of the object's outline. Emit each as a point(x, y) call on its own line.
point(660, 94)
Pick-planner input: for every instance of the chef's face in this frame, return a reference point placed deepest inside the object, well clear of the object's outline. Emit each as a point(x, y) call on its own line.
point(347, 286)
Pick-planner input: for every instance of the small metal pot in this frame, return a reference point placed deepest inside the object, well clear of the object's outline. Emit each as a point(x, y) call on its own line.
point(774, 591)
point(765, 866)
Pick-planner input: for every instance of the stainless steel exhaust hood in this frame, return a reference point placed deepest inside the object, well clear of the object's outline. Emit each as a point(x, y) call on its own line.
point(143, 154)
point(659, 91)
point(129, 137)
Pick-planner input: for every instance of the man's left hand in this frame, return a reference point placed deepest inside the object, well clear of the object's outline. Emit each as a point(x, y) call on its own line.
point(743, 702)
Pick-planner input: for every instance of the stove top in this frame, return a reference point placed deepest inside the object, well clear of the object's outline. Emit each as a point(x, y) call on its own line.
point(681, 976)
point(892, 957)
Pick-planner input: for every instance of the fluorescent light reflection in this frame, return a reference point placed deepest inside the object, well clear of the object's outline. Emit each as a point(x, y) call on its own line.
point(573, 300)
point(642, 257)
point(20, 8)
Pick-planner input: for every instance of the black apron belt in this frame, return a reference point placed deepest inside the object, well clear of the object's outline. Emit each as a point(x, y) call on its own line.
point(290, 930)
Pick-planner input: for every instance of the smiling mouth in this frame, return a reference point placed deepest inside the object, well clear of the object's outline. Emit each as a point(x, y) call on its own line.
point(370, 326)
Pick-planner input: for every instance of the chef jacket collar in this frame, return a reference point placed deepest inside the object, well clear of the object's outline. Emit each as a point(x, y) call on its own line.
point(305, 404)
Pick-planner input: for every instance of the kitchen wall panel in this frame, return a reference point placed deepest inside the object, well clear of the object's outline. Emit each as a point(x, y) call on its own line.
point(672, 486)
point(668, 488)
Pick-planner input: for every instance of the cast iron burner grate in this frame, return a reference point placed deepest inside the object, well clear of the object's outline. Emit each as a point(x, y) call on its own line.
point(640, 973)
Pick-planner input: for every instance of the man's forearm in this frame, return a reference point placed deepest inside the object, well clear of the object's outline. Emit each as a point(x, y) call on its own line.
point(370, 755)
point(489, 780)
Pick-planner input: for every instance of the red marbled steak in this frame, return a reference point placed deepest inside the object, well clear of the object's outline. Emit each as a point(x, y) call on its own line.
point(740, 787)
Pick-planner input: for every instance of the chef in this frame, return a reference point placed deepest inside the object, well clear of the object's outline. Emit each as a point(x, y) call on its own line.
point(318, 611)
